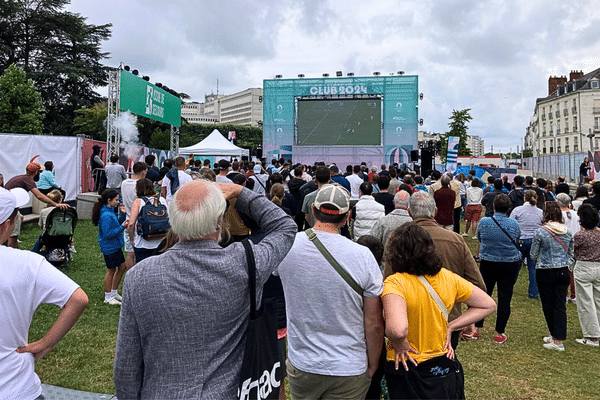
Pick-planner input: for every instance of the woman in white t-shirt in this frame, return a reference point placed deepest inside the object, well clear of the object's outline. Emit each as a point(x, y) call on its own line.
point(143, 248)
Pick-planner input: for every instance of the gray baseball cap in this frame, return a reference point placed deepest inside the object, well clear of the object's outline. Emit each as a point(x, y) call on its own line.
point(335, 197)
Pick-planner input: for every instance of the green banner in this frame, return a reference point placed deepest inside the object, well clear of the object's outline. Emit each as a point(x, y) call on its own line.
point(147, 100)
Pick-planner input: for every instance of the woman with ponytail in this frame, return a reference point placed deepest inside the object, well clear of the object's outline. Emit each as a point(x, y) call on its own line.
point(277, 195)
point(110, 237)
point(529, 217)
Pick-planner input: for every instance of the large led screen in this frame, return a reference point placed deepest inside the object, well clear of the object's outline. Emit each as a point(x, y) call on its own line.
point(338, 122)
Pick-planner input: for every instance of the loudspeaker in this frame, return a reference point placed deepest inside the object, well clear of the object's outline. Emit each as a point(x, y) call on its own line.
point(245, 158)
point(414, 155)
point(258, 153)
point(426, 161)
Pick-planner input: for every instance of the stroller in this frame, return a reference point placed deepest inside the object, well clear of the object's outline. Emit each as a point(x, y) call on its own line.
point(54, 243)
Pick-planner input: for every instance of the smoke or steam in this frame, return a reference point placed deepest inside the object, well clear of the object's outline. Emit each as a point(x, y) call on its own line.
point(126, 125)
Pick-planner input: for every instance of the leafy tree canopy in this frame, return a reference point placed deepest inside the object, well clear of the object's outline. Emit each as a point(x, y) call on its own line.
point(20, 103)
point(59, 51)
point(458, 127)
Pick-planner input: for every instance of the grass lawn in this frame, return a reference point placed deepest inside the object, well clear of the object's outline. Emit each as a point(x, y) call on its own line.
point(520, 368)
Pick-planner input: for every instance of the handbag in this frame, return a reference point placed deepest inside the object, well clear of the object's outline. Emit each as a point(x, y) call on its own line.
point(312, 236)
point(261, 374)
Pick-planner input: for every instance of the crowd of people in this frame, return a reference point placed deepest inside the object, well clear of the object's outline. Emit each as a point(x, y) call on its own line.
point(369, 270)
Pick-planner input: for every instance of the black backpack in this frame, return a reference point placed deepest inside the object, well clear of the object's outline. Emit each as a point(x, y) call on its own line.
point(153, 220)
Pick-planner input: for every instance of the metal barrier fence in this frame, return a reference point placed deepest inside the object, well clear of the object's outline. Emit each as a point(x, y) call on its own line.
point(552, 165)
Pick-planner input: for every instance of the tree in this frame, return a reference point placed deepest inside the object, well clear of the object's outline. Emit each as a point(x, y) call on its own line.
point(20, 103)
point(160, 139)
point(90, 121)
point(458, 127)
point(527, 153)
point(59, 51)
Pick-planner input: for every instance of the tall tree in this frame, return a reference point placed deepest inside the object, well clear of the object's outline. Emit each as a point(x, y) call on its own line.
point(90, 121)
point(59, 51)
point(458, 127)
point(20, 103)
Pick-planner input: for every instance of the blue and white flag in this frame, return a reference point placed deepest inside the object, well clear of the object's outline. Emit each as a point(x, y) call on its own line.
point(452, 154)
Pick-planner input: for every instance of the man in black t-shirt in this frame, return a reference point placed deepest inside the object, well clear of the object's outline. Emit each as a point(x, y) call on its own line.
point(383, 197)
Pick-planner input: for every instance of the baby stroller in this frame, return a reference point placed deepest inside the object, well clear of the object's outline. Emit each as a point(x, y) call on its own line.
point(58, 236)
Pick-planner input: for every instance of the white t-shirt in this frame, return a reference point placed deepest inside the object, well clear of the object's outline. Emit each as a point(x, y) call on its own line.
point(28, 280)
point(223, 179)
point(183, 179)
point(571, 221)
point(128, 193)
point(326, 331)
point(355, 182)
point(141, 243)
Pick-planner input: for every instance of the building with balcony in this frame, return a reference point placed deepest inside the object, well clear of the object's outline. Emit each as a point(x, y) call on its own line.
point(563, 121)
point(243, 108)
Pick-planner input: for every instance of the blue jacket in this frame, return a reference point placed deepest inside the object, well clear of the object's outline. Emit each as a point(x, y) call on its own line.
point(495, 244)
point(110, 230)
point(47, 181)
point(547, 252)
point(339, 179)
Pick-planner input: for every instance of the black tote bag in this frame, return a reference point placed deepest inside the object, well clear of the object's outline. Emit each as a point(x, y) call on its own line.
point(262, 372)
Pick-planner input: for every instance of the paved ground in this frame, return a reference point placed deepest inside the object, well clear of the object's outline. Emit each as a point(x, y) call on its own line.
point(58, 393)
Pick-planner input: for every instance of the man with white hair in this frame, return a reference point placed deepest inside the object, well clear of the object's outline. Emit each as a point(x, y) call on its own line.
point(399, 216)
point(184, 314)
point(453, 250)
point(28, 280)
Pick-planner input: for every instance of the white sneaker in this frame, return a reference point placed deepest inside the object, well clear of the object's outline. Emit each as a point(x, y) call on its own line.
point(474, 237)
point(548, 339)
point(588, 342)
point(118, 297)
point(554, 346)
point(465, 234)
point(113, 301)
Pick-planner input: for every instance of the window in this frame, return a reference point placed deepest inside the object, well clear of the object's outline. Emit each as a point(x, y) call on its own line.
point(595, 84)
point(574, 102)
point(574, 124)
point(557, 128)
point(557, 106)
point(566, 128)
point(596, 123)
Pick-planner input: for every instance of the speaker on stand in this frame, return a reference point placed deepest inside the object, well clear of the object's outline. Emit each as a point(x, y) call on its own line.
point(426, 161)
point(414, 155)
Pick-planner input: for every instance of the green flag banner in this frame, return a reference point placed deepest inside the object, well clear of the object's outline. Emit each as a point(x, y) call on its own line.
point(147, 100)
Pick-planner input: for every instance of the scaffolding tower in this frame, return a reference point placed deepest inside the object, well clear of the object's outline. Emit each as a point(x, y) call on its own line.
point(113, 136)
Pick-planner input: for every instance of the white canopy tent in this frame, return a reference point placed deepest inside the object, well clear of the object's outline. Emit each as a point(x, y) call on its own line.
point(214, 145)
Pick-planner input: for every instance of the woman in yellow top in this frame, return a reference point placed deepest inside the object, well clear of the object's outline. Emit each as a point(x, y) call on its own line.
point(416, 327)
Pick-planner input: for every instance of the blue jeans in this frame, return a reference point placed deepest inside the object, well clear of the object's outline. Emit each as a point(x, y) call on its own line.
point(525, 250)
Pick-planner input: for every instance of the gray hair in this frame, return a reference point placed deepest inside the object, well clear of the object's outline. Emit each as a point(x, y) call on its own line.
point(563, 199)
point(422, 205)
point(401, 199)
point(203, 217)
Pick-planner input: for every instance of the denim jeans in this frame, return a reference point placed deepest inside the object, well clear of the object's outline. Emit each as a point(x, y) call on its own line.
point(525, 250)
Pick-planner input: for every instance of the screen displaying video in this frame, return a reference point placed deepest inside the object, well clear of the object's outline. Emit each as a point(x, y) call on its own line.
point(339, 122)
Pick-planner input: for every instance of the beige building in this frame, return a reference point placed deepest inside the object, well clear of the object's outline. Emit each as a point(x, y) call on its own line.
point(243, 108)
point(563, 121)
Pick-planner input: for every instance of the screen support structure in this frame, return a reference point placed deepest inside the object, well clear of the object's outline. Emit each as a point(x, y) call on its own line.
point(113, 136)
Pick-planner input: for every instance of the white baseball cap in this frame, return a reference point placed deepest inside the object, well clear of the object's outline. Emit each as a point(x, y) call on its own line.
point(11, 199)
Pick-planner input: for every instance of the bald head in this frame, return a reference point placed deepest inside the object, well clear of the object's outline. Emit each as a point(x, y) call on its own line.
point(196, 210)
point(401, 200)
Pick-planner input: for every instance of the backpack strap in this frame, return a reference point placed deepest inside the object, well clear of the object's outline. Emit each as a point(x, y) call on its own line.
point(557, 238)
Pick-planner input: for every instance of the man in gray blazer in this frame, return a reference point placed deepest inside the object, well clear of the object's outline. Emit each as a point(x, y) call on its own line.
point(182, 330)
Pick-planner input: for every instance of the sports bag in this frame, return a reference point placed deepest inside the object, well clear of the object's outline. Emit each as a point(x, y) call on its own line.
point(153, 220)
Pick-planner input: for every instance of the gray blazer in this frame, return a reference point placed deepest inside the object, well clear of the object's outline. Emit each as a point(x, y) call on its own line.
point(185, 312)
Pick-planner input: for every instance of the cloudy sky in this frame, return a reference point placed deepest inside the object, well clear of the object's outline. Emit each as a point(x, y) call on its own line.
point(493, 57)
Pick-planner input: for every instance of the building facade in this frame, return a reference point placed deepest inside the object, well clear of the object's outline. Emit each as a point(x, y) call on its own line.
point(475, 143)
point(243, 108)
point(568, 119)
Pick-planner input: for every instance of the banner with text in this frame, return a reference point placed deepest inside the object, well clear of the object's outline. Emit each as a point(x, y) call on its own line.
point(147, 100)
point(452, 154)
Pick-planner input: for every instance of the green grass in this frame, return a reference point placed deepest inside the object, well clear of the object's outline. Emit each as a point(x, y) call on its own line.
point(520, 368)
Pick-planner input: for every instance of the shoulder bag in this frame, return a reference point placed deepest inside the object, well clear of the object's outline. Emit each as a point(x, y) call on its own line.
point(262, 372)
point(312, 236)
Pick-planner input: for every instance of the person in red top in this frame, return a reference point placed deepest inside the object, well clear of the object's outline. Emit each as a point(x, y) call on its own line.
point(27, 182)
point(444, 201)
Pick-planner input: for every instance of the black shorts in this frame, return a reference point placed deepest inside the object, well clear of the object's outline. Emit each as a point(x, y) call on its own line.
point(115, 259)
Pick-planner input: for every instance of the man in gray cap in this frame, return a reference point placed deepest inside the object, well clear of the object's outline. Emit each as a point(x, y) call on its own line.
point(331, 353)
point(28, 280)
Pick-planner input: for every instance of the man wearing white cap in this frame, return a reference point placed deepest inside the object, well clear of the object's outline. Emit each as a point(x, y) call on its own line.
point(260, 179)
point(332, 353)
point(28, 280)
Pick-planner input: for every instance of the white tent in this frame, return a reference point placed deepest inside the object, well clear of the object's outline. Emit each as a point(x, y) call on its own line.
point(214, 145)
